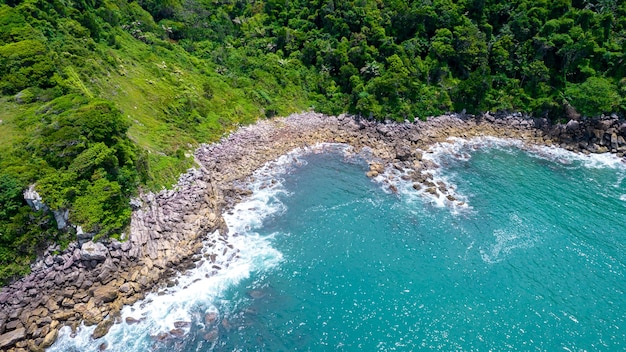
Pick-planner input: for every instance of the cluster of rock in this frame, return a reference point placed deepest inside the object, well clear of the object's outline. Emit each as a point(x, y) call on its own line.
point(90, 282)
point(594, 135)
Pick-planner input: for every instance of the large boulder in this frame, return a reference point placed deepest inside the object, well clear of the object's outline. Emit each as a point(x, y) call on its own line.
point(102, 328)
point(403, 152)
point(93, 251)
point(105, 294)
point(572, 126)
point(49, 339)
point(11, 337)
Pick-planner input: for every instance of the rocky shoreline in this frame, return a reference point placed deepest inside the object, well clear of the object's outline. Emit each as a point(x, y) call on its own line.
point(90, 282)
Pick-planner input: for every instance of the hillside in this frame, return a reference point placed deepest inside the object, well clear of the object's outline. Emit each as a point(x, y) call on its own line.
point(102, 97)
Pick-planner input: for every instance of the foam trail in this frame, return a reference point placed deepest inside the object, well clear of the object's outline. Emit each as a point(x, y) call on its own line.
point(566, 157)
point(515, 236)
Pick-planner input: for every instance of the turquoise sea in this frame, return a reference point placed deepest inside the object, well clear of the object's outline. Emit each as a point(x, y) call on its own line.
point(330, 260)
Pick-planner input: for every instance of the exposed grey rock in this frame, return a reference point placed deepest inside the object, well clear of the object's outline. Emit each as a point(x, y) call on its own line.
point(33, 199)
point(135, 203)
point(61, 216)
point(83, 236)
point(572, 125)
point(93, 251)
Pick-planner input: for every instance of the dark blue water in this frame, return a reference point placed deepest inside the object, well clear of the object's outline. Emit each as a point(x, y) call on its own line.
point(536, 261)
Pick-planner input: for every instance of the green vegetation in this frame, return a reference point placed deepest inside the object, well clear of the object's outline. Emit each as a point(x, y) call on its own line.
point(101, 97)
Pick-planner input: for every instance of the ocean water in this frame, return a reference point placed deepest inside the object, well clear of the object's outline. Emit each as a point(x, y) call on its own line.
point(329, 260)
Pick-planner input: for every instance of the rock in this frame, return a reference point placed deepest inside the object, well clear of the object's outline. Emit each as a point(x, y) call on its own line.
point(572, 125)
point(226, 324)
point(614, 143)
point(598, 134)
point(68, 303)
point(61, 216)
point(177, 332)
point(135, 203)
point(403, 152)
point(210, 318)
point(49, 339)
point(256, 294)
point(126, 288)
point(93, 251)
point(131, 320)
point(33, 199)
point(102, 328)
point(63, 315)
point(162, 336)
point(10, 338)
point(15, 324)
point(105, 294)
point(182, 324)
point(211, 335)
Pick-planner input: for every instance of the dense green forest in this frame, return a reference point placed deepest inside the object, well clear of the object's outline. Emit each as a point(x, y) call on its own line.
point(101, 97)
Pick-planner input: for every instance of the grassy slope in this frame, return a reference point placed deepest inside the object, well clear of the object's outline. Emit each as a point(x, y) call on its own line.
point(147, 82)
point(8, 131)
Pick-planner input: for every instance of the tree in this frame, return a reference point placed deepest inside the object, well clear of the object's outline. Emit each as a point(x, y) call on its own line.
point(595, 96)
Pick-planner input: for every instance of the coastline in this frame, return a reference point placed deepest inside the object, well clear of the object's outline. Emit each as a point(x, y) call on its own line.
point(90, 282)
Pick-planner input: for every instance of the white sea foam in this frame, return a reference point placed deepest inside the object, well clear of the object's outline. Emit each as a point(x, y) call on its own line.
point(200, 290)
point(566, 157)
point(515, 236)
point(203, 287)
point(440, 155)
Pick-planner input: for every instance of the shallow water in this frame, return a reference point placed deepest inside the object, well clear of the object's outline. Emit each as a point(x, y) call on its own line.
point(330, 260)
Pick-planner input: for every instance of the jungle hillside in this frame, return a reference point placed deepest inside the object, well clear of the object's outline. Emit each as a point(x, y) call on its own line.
point(102, 98)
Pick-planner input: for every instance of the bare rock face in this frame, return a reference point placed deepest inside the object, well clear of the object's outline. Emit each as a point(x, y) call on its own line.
point(93, 251)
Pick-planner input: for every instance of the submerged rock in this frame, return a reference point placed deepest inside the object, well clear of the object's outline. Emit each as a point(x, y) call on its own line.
point(182, 324)
point(211, 335)
point(177, 332)
point(256, 294)
point(210, 318)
